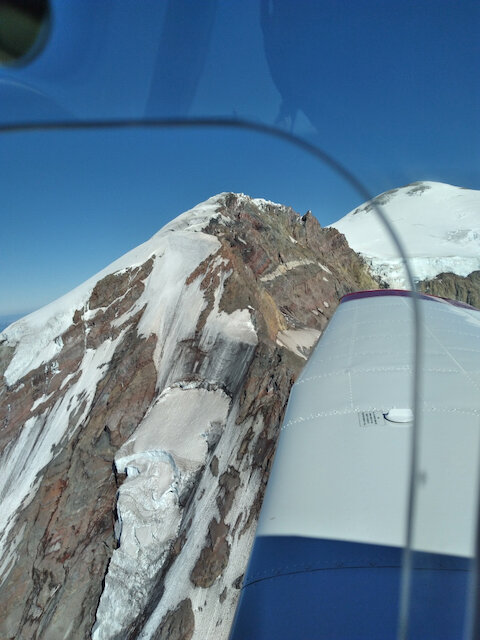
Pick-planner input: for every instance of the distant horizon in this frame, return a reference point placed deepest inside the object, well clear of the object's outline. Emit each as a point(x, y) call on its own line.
point(9, 318)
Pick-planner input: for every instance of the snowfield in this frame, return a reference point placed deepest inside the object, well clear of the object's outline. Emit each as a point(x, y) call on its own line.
point(438, 225)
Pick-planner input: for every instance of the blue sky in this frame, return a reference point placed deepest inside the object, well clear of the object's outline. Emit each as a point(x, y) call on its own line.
point(389, 88)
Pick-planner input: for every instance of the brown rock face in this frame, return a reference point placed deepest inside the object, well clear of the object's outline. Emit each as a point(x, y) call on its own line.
point(449, 285)
point(291, 273)
point(54, 586)
point(178, 624)
point(214, 557)
point(288, 273)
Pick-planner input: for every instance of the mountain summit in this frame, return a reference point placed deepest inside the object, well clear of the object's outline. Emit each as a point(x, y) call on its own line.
point(438, 225)
point(139, 417)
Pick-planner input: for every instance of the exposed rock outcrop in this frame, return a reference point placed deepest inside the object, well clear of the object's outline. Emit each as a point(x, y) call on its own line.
point(139, 419)
point(449, 285)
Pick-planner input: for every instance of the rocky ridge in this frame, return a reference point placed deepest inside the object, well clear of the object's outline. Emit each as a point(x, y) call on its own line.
point(139, 418)
point(454, 287)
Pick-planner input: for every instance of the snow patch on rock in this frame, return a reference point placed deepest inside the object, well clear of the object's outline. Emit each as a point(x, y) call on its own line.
point(214, 607)
point(282, 269)
point(24, 458)
point(168, 447)
point(300, 341)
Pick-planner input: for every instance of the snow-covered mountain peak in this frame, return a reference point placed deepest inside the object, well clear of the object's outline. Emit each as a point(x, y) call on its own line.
point(154, 391)
point(196, 218)
point(438, 225)
point(54, 318)
point(41, 330)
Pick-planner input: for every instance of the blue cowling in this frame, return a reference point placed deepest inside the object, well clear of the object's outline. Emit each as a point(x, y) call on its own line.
point(312, 589)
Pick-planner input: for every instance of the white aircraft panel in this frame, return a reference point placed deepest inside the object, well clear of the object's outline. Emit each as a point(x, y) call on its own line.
point(339, 475)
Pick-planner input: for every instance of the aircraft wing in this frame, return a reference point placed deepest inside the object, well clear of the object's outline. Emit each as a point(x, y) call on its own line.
point(328, 550)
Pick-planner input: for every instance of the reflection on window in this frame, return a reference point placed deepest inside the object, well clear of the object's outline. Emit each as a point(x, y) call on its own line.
point(23, 25)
